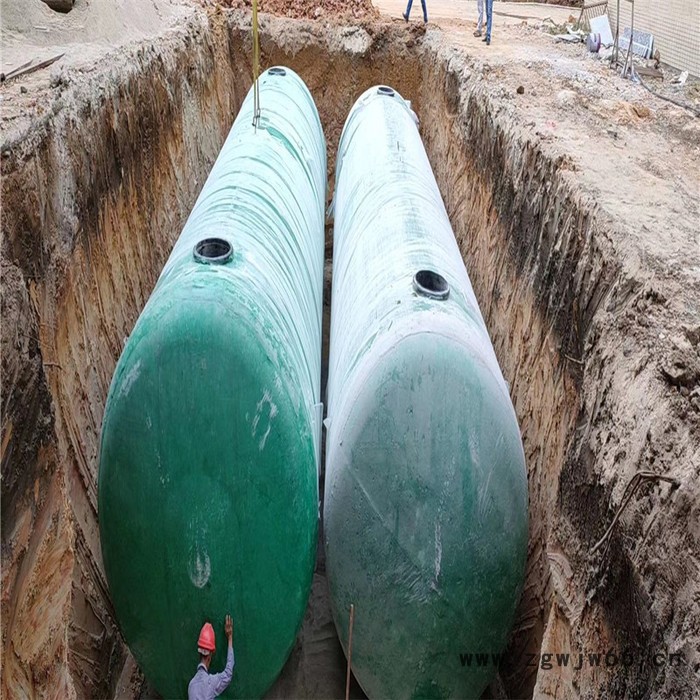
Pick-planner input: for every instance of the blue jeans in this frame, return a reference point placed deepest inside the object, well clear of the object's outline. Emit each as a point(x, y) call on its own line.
point(489, 17)
point(480, 10)
point(425, 9)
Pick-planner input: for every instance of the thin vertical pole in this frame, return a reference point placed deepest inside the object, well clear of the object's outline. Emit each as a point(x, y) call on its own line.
point(256, 65)
point(616, 45)
point(347, 679)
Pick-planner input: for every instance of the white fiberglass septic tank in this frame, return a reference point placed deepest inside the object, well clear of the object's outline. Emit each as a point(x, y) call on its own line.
point(425, 514)
point(208, 484)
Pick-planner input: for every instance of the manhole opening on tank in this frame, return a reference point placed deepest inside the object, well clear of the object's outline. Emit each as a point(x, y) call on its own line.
point(431, 284)
point(277, 71)
point(214, 251)
point(60, 5)
point(385, 90)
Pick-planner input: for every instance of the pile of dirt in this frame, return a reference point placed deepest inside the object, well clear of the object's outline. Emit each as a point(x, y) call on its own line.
point(308, 9)
point(32, 32)
point(619, 111)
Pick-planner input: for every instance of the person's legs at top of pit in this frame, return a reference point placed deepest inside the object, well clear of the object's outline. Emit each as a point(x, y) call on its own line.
point(480, 19)
point(489, 18)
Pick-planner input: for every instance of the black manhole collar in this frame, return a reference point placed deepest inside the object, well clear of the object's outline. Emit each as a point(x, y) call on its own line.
point(213, 251)
point(431, 284)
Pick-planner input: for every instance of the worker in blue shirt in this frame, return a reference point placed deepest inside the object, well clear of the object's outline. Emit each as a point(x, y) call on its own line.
point(205, 685)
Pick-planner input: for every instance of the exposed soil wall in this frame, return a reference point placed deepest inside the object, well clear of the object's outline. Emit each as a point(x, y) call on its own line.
point(93, 198)
point(96, 192)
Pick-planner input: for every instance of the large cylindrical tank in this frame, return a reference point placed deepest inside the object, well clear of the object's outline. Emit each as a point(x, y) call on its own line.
point(208, 481)
point(425, 514)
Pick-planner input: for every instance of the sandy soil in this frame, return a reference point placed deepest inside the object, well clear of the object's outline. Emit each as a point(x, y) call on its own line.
point(31, 31)
point(638, 156)
point(447, 13)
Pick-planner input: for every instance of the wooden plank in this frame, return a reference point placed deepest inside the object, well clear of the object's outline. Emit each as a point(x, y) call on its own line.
point(24, 70)
point(651, 72)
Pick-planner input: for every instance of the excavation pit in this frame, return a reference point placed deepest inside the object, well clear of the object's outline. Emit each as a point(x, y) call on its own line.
point(95, 194)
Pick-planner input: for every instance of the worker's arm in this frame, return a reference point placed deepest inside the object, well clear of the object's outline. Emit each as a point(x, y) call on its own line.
point(222, 680)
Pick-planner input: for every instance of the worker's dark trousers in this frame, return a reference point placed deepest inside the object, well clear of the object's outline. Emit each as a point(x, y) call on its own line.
point(425, 9)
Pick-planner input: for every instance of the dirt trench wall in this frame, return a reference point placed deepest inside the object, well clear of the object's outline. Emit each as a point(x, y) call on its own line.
point(96, 192)
point(93, 198)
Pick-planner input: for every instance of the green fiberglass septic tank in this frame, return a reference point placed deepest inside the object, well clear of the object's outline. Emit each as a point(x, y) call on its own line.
point(425, 514)
point(208, 489)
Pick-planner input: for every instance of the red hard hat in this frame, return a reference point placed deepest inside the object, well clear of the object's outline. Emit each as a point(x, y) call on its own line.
point(207, 638)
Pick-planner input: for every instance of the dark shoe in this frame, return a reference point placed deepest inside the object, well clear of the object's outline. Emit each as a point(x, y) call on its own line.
point(405, 16)
point(485, 38)
point(488, 41)
point(477, 33)
point(425, 20)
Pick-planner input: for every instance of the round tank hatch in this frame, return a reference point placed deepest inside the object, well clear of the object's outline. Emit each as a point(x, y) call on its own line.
point(431, 284)
point(277, 71)
point(385, 90)
point(213, 251)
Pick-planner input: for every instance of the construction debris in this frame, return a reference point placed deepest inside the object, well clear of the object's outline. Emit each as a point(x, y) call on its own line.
point(593, 43)
point(650, 72)
point(571, 37)
point(642, 42)
point(601, 27)
point(680, 79)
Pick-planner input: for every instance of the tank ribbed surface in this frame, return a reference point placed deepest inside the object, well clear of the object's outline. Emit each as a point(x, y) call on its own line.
point(208, 490)
point(425, 515)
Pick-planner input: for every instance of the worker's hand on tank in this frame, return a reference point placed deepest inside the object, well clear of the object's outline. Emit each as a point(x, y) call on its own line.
point(228, 628)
